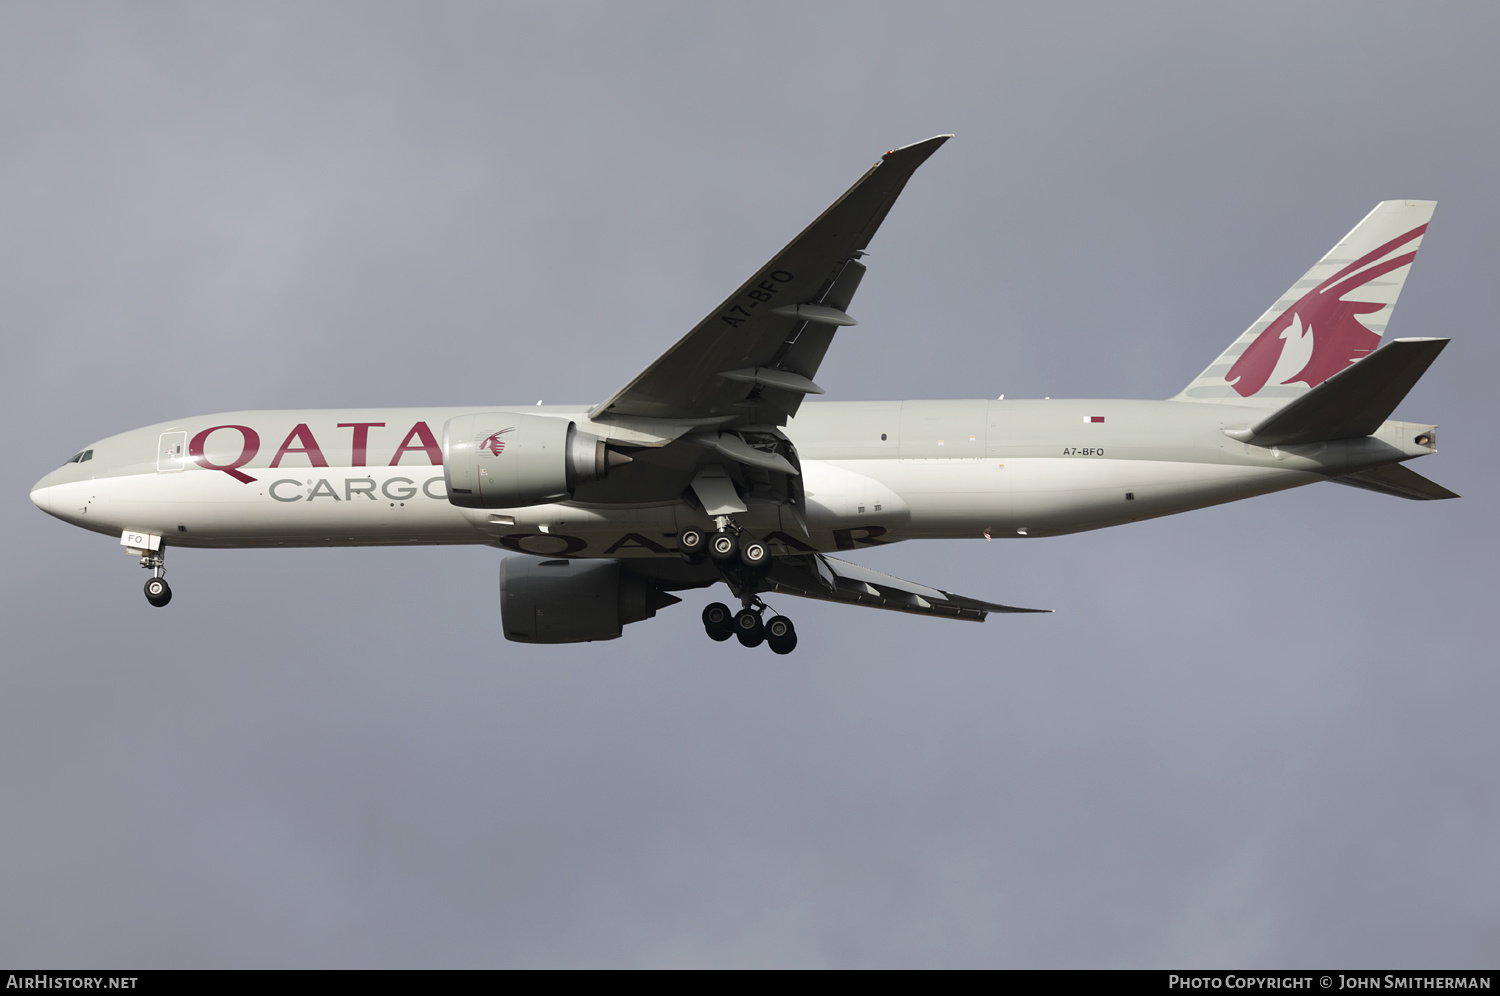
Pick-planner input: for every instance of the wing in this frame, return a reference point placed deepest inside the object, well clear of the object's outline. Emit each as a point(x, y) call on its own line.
point(753, 358)
point(832, 580)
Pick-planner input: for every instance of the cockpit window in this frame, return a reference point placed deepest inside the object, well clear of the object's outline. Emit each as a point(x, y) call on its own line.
point(81, 456)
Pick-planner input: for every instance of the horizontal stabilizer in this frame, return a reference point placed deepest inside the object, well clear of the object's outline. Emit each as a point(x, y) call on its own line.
point(1397, 480)
point(1353, 402)
point(832, 580)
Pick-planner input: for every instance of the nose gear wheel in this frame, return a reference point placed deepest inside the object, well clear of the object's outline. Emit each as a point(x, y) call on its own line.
point(158, 592)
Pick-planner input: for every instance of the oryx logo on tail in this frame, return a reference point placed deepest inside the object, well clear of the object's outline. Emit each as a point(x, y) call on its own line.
point(1321, 333)
point(1331, 318)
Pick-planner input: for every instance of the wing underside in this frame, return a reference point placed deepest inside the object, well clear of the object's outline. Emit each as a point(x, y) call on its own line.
point(833, 580)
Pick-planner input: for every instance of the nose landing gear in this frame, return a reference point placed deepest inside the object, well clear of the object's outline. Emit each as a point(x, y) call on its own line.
point(158, 592)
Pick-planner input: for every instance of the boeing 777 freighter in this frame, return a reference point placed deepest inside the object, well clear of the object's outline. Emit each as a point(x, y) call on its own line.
point(707, 467)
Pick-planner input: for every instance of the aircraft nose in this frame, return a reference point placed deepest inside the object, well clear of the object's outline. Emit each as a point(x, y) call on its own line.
point(40, 494)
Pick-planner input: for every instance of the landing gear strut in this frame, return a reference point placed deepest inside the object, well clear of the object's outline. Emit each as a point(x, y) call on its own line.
point(158, 592)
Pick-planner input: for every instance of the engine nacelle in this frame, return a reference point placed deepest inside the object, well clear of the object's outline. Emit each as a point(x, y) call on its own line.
point(507, 460)
point(572, 601)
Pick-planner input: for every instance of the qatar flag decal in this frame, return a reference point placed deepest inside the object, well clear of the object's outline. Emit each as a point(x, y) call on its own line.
point(1093, 418)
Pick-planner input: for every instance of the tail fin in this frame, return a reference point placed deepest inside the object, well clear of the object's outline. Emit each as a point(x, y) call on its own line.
point(1326, 321)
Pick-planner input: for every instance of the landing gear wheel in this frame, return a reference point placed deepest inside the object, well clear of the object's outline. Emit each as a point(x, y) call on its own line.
point(717, 622)
point(157, 592)
point(722, 545)
point(755, 555)
point(748, 628)
point(781, 635)
point(691, 543)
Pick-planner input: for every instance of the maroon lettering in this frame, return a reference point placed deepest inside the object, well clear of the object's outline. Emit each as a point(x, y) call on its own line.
point(426, 444)
point(571, 544)
point(248, 449)
point(361, 438)
point(848, 539)
point(309, 447)
point(635, 541)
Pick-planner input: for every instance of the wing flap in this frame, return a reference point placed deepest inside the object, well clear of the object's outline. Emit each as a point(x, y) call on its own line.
point(832, 580)
point(742, 452)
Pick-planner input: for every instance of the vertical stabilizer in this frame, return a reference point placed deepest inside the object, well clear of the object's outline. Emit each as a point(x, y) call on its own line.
point(1332, 317)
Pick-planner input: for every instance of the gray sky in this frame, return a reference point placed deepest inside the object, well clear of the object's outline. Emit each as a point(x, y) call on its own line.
point(1257, 735)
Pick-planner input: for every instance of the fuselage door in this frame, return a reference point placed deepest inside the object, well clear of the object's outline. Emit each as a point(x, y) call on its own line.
point(171, 454)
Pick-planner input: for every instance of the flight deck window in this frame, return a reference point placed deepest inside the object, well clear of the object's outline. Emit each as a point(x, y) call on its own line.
point(87, 455)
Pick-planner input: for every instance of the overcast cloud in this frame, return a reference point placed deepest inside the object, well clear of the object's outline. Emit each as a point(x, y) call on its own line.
point(1257, 735)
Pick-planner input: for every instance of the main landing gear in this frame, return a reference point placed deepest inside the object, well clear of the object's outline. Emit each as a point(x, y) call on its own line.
point(725, 546)
point(746, 625)
point(158, 592)
point(742, 560)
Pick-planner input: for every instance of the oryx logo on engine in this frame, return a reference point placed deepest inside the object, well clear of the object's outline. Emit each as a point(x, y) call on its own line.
point(494, 443)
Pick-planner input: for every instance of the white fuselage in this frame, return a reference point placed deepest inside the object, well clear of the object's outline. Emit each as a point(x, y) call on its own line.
point(873, 473)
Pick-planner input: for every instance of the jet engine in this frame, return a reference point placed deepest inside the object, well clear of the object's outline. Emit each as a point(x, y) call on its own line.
point(507, 460)
point(572, 601)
